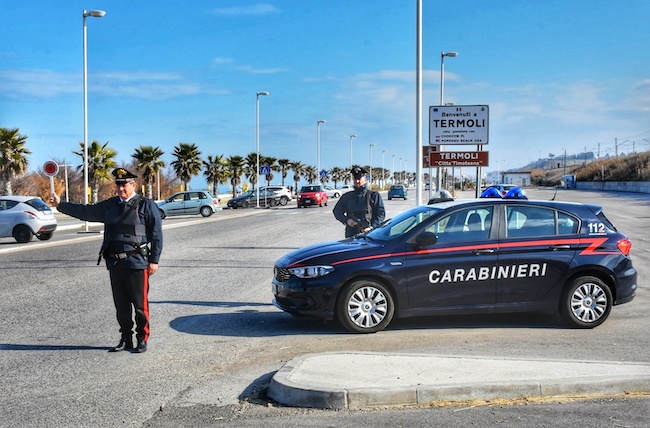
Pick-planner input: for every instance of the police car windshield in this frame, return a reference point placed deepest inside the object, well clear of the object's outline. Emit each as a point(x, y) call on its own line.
point(402, 223)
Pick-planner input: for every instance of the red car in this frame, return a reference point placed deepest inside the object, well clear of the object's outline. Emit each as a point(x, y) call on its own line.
point(314, 194)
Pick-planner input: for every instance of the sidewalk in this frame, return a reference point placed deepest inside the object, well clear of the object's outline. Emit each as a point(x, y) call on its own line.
point(356, 380)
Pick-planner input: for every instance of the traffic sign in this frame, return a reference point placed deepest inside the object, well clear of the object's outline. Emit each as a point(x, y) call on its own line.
point(458, 159)
point(51, 168)
point(323, 173)
point(265, 169)
point(458, 125)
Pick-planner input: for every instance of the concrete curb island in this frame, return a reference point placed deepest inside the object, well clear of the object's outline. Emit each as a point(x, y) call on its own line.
point(357, 380)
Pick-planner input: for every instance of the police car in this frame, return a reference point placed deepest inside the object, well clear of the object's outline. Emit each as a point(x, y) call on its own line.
point(464, 256)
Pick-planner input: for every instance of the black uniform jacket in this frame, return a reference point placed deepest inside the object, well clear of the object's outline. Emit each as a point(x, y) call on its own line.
point(110, 211)
point(361, 204)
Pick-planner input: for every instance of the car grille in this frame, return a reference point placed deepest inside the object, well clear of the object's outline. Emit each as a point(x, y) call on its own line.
point(281, 274)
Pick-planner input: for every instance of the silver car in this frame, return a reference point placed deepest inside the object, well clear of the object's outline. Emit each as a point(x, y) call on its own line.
point(188, 203)
point(22, 217)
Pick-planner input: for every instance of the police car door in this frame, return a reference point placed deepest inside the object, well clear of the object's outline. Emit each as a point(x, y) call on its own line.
point(454, 271)
point(535, 252)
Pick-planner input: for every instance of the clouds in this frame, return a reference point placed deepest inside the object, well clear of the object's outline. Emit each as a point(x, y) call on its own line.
point(254, 10)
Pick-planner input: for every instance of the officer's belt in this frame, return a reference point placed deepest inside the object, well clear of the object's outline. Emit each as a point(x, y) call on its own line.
point(122, 256)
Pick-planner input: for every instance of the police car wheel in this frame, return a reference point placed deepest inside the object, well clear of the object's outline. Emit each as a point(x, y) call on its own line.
point(586, 302)
point(162, 214)
point(365, 306)
point(206, 211)
point(22, 234)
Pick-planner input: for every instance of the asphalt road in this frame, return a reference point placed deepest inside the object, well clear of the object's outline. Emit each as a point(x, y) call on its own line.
point(216, 338)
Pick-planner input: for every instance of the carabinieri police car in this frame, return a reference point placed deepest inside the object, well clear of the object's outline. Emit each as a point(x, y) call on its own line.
point(464, 256)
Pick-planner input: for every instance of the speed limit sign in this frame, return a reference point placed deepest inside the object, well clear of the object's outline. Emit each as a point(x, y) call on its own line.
point(51, 168)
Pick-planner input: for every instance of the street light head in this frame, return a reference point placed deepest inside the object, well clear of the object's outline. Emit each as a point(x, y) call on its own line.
point(353, 136)
point(321, 121)
point(94, 13)
point(263, 93)
point(450, 54)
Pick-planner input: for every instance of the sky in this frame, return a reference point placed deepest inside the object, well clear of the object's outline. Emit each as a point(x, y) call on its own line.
point(558, 76)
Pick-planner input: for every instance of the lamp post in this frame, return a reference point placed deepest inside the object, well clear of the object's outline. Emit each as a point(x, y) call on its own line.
point(400, 168)
point(318, 148)
point(351, 137)
point(383, 152)
point(93, 14)
point(65, 170)
point(257, 138)
point(392, 174)
point(370, 147)
point(442, 103)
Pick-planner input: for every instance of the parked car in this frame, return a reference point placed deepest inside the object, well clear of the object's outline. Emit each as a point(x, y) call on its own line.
point(23, 217)
point(188, 203)
point(282, 191)
point(397, 191)
point(268, 198)
point(465, 257)
point(332, 192)
point(313, 194)
point(345, 188)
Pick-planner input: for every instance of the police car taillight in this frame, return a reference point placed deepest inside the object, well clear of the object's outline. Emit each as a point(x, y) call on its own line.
point(624, 246)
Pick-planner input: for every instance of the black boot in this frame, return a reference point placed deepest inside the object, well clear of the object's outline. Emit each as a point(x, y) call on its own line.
point(125, 343)
point(142, 346)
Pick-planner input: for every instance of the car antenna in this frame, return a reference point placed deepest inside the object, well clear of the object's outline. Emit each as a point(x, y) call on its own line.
point(554, 195)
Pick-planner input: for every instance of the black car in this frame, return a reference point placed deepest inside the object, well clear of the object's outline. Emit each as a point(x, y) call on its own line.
point(267, 198)
point(464, 256)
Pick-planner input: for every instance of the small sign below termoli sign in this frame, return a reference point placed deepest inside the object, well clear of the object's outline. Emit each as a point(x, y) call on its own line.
point(458, 159)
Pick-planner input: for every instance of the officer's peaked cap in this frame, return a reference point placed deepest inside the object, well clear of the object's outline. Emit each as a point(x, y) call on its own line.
point(359, 171)
point(122, 175)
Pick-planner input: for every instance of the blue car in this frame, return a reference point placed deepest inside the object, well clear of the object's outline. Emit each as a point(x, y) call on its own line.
point(464, 257)
point(398, 191)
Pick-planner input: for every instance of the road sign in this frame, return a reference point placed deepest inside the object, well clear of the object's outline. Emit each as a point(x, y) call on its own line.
point(50, 168)
point(323, 173)
point(425, 155)
point(458, 125)
point(265, 169)
point(458, 159)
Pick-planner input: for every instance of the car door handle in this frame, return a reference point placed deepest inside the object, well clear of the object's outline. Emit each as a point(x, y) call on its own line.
point(560, 247)
point(485, 251)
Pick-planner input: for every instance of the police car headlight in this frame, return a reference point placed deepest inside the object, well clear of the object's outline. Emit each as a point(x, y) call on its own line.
point(311, 271)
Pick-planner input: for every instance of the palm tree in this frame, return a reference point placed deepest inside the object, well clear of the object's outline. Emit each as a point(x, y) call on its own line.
point(101, 161)
point(235, 165)
point(298, 170)
point(284, 168)
point(250, 167)
point(311, 174)
point(13, 156)
point(187, 163)
point(338, 174)
point(148, 160)
point(216, 172)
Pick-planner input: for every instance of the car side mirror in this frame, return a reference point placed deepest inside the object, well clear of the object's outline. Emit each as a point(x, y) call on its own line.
point(425, 239)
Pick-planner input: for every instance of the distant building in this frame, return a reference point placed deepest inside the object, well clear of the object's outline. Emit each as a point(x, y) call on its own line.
point(518, 178)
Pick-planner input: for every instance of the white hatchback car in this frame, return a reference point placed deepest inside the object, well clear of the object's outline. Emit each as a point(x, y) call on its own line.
point(22, 217)
point(282, 191)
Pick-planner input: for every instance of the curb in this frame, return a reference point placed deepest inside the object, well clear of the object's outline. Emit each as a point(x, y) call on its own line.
point(326, 380)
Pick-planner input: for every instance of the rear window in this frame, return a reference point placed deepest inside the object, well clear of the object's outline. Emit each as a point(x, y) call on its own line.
point(38, 204)
point(605, 221)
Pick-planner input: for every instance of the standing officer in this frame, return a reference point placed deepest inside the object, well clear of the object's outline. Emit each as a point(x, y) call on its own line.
point(361, 209)
point(132, 246)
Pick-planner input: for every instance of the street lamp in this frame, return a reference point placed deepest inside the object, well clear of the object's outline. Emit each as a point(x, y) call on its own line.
point(383, 152)
point(370, 147)
point(318, 147)
point(65, 166)
point(401, 175)
point(393, 171)
point(257, 138)
point(351, 137)
point(93, 14)
point(442, 103)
